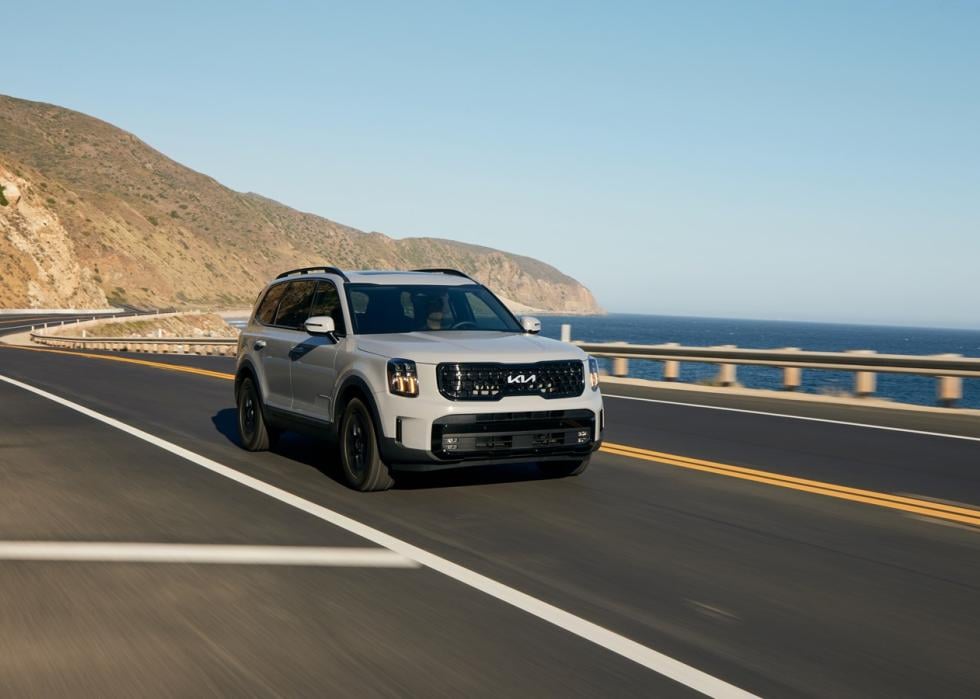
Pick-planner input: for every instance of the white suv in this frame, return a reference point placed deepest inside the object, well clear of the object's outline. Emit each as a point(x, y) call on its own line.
point(419, 370)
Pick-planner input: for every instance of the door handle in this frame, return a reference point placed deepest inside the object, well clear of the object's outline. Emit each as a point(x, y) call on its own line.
point(259, 344)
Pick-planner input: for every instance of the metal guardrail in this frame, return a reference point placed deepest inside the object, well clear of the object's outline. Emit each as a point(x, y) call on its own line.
point(153, 344)
point(224, 346)
point(948, 369)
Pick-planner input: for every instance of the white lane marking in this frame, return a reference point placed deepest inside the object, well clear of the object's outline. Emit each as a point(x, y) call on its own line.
point(647, 657)
point(202, 553)
point(798, 417)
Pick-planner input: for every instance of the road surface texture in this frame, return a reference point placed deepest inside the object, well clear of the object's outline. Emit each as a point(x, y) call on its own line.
point(727, 550)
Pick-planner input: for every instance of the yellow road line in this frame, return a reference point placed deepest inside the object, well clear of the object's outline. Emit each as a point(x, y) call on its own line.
point(952, 513)
point(793, 479)
point(129, 360)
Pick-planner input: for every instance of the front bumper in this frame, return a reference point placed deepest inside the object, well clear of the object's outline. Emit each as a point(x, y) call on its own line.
point(459, 437)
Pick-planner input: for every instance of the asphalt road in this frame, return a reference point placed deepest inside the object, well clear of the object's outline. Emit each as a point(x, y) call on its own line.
point(769, 588)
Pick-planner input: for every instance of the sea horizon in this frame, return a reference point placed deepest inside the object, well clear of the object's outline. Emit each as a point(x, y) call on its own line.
point(881, 324)
point(699, 331)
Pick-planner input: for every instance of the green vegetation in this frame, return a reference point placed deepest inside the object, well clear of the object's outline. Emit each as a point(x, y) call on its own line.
point(3, 199)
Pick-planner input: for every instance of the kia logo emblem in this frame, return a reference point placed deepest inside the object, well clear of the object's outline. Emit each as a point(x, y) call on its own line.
point(522, 378)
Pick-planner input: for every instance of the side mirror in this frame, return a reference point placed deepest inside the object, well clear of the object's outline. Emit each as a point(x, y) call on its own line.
point(320, 325)
point(530, 325)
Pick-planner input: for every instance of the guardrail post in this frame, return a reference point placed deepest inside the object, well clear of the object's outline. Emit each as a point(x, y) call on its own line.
point(792, 375)
point(865, 382)
point(620, 366)
point(566, 332)
point(726, 372)
point(672, 367)
point(949, 389)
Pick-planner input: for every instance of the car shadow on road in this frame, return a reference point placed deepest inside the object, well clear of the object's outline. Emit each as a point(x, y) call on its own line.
point(321, 455)
point(226, 422)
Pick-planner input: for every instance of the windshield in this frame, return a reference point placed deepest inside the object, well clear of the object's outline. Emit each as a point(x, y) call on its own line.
point(389, 308)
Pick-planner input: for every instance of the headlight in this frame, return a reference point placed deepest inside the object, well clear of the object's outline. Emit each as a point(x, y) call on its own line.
point(594, 373)
point(403, 379)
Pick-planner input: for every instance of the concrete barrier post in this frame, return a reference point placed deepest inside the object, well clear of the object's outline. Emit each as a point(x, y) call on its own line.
point(792, 375)
point(865, 382)
point(672, 367)
point(949, 389)
point(566, 332)
point(727, 375)
point(620, 366)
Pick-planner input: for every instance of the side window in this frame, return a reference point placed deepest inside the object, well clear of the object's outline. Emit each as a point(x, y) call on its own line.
point(294, 308)
point(326, 302)
point(266, 313)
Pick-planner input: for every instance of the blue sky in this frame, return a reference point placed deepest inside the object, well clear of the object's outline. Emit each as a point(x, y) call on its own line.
point(811, 161)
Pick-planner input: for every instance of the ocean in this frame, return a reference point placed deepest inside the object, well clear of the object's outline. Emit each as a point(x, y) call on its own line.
point(764, 334)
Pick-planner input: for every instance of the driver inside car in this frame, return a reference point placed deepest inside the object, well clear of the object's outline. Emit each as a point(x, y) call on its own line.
point(435, 312)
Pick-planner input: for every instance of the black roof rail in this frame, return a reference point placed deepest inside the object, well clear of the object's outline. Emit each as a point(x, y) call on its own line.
point(440, 270)
point(306, 270)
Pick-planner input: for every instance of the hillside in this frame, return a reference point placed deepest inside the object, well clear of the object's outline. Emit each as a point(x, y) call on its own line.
point(90, 215)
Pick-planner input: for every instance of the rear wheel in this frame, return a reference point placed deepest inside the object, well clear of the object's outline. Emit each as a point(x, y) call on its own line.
point(360, 457)
point(562, 469)
point(252, 429)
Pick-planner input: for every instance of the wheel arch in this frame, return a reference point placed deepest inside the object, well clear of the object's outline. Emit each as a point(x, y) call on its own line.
point(246, 371)
point(356, 387)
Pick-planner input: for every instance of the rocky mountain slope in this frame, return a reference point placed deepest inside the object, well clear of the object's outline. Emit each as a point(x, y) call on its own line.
point(91, 215)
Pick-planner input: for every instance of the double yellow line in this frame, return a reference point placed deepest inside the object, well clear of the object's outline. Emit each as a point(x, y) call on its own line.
point(926, 508)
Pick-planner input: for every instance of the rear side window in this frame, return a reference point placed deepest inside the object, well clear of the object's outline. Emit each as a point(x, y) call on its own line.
point(326, 302)
point(294, 308)
point(267, 309)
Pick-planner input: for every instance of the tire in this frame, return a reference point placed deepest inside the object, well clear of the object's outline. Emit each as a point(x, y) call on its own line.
point(360, 458)
point(252, 428)
point(564, 469)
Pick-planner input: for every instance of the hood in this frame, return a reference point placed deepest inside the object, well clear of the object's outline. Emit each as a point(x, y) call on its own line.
point(465, 346)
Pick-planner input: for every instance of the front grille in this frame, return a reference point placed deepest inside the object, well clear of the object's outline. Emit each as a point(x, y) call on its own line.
point(556, 379)
point(542, 433)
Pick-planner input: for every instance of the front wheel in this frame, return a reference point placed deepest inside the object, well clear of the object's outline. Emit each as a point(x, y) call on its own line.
point(252, 429)
point(359, 455)
point(562, 469)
